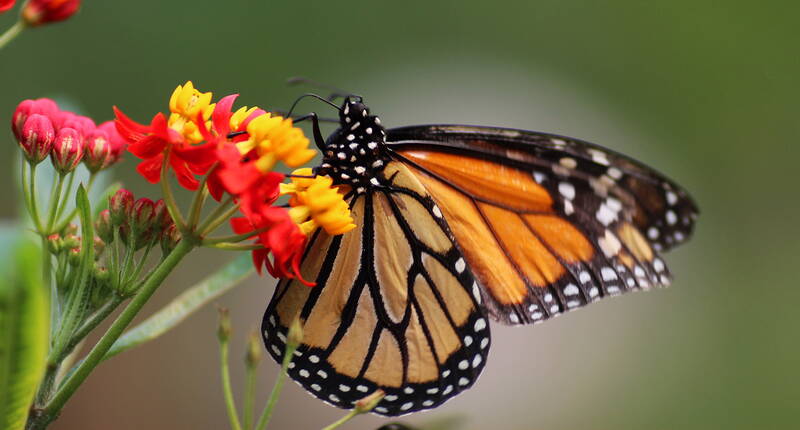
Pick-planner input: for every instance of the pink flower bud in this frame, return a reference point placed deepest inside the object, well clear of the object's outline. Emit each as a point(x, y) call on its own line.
point(120, 205)
point(40, 12)
point(143, 214)
point(169, 239)
point(104, 227)
point(162, 218)
point(67, 150)
point(37, 138)
point(98, 151)
point(6, 5)
point(118, 144)
point(82, 124)
point(27, 108)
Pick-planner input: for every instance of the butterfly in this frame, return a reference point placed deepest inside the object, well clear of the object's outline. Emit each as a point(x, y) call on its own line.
point(459, 225)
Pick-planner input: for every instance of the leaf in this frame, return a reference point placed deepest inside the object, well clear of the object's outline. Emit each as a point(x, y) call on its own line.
point(24, 328)
point(185, 304)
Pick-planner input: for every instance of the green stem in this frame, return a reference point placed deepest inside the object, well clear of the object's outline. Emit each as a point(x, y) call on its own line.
point(34, 207)
point(63, 205)
point(249, 396)
point(11, 33)
point(169, 198)
point(93, 321)
point(63, 224)
point(233, 238)
point(130, 251)
point(233, 415)
point(235, 246)
point(197, 203)
point(217, 217)
point(67, 389)
point(343, 420)
point(55, 202)
point(277, 388)
point(140, 265)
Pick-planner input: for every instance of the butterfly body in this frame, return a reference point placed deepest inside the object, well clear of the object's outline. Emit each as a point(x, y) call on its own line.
point(458, 225)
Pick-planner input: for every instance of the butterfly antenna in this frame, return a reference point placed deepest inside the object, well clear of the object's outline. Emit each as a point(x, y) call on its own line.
point(316, 96)
point(335, 91)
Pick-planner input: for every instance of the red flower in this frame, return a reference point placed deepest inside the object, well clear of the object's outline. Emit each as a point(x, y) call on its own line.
point(26, 108)
point(151, 143)
point(39, 12)
point(6, 5)
point(283, 239)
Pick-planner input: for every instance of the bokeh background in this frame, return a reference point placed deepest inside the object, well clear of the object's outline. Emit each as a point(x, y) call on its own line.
point(705, 91)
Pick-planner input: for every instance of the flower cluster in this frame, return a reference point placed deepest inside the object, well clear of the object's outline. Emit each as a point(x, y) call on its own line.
point(210, 147)
point(40, 12)
point(42, 130)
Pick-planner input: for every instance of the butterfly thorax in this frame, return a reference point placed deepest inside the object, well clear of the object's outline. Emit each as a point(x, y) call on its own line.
point(355, 153)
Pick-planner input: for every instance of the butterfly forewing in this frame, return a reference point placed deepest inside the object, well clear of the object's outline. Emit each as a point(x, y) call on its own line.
point(394, 306)
point(543, 229)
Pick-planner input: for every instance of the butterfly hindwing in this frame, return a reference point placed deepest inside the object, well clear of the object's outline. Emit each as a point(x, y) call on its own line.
point(393, 307)
point(546, 223)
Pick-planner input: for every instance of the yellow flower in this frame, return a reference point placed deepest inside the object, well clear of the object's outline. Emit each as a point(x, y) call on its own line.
point(185, 104)
point(240, 115)
point(316, 203)
point(274, 139)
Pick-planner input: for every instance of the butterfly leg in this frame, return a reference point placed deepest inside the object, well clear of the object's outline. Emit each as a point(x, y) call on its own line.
point(318, 139)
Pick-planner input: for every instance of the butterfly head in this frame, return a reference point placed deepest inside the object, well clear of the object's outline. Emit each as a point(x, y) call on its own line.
point(356, 151)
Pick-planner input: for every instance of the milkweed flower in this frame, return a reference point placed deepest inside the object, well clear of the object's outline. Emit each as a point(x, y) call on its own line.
point(40, 12)
point(187, 105)
point(153, 142)
point(316, 203)
point(67, 150)
point(37, 138)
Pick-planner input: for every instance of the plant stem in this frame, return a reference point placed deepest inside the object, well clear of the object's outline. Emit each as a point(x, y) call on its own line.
point(234, 238)
point(233, 415)
point(343, 420)
point(249, 396)
point(169, 198)
point(55, 200)
point(277, 388)
point(63, 205)
point(219, 216)
point(235, 246)
point(197, 203)
point(67, 389)
point(93, 321)
point(11, 33)
point(34, 207)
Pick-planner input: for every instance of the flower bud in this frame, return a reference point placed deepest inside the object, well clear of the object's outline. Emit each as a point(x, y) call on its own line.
point(117, 142)
point(40, 12)
point(162, 218)
point(169, 239)
point(6, 5)
point(99, 247)
point(254, 350)
point(368, 403)
point(224, 328)
point(27, 108)
point(71, 228)
point(82, 124)
point(71, 241)
point(101, 274)
point(104, 227)
point(120, 205)
point(98, 151)
point(54, 243)
point(37, 138)
point(143, 214)
point(295, 336)
point(67, 150)
point(74, 257)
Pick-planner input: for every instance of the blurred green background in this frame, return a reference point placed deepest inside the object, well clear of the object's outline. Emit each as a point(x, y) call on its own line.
point(705, 91)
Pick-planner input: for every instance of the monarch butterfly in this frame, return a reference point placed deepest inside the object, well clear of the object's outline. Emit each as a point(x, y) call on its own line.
point(458, 224)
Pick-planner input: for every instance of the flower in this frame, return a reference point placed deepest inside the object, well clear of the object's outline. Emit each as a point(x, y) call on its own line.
point(37, 138)
point(40, 12)
point(67, 150)
point(187, 104)
point(6, 5)
point(279, 236)
point(316, 203)
point(151, 143)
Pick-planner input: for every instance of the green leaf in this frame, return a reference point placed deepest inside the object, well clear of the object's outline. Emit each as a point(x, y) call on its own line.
point(186, 304)
point(24, 320)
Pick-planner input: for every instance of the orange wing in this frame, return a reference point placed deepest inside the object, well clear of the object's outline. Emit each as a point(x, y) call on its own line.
point(393, 307)
point(546, 225)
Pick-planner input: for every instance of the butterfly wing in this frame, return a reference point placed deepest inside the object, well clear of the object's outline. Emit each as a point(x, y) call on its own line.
point(546, 223)
point(393, 307)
